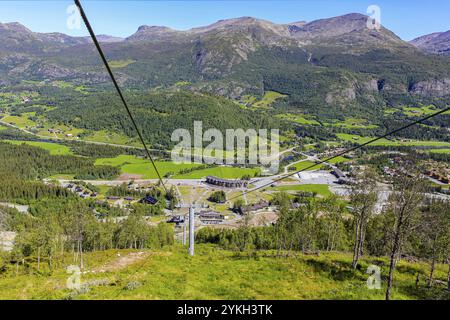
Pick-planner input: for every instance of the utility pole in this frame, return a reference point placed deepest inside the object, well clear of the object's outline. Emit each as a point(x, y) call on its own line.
point(191, 230)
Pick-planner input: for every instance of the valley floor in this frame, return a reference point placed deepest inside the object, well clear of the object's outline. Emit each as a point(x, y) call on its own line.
point(218, 274)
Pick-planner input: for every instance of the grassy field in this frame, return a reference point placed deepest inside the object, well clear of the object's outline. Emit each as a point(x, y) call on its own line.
point(110, 137)
point(19, 121)
point(386, 142)
point(300, 119)
point(353, 123)
point(414, 111)
point(217, 274)
point(422, 111)
point(54, 148)
point(320, 189)
point(447, 151)
point(117, 64)
point(133, 165)
point(221, 172)
point(267, 100)
point(339, 159)
point(305, 164)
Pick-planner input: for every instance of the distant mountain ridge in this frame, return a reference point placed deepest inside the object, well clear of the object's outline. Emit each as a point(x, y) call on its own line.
point(337, 61)
point(437, 43)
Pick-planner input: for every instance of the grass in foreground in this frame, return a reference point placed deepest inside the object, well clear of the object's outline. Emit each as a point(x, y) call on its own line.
point(219, 274)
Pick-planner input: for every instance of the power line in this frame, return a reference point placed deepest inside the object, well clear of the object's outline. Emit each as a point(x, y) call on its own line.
point(344, 152)
point(108, 68)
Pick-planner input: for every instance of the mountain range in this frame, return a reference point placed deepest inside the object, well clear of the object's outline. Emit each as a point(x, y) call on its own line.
point(438, 43)
point(337, 61)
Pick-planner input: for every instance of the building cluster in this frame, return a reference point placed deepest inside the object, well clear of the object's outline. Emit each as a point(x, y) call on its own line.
point(205, 217)
point(59, 131)
point(341, 176)
point(226, 183)
point(79, 190)
point(211, 217)
point(262, 204)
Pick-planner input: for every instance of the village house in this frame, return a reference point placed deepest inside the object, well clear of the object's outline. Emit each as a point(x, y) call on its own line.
point(262, 204)
point(211, 217)
point(148, 200)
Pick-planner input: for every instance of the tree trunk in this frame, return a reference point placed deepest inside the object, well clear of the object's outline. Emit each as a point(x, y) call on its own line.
point(80, 249)
point(448, 275)
point(356, 247)
point(393, 259)
point(39, 259)
point(361, 239)
point(430, 279)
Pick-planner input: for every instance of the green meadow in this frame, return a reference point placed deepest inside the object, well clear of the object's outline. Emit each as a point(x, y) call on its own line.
point(446, 151)
point(53, 148)
point(110, 137)
point(353, 123)
point(214, 273)
point(19, 121)
point(305, 164)
point(300, 119)
point(133, 165)
point(386, 142)
point(320, 189)
point(221, 172)
point(336, 160)
point(267, 100)
point(117, 64)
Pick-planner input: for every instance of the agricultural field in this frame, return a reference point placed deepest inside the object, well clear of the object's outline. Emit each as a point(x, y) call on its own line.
point(214, 273)
point(141, 167)
point(420, 112)
point(297, 118)
point(20, 121)
point(111, 137)
point(339, 159)
point(320, 189)
point(305, 164)
point(267, 100)
point(221, 172)
point(414, 111)
point(446, 151)
point(53, 148)
point(385, 142)
point(68, 85)
point(353, 123)
point(117, 64)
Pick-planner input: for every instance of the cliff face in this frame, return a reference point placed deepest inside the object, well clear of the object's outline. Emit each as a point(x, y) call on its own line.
point(433, 88)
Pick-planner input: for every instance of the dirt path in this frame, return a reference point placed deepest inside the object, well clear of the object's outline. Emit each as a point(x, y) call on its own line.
point(123, 261)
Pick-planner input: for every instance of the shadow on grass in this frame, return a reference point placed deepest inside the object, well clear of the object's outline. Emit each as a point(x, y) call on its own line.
point(336, 270)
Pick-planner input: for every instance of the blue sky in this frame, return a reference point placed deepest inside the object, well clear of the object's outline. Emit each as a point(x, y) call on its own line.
point(408, 19)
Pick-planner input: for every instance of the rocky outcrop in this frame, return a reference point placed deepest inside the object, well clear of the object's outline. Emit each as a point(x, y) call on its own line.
point(432, 88)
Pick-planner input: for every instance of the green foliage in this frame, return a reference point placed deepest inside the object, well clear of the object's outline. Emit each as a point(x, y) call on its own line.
point(218, 197)
point(28, 162)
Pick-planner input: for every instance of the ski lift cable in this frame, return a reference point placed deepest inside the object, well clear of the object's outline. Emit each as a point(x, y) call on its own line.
point(119, 91)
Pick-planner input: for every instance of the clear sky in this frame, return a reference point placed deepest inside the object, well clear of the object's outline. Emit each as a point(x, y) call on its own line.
point(408, 19)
